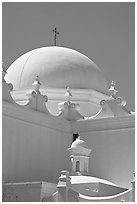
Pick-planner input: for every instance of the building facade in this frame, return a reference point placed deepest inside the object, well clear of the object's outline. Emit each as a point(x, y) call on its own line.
point(50, 95)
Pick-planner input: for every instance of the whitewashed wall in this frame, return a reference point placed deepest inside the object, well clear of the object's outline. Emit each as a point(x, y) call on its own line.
point(35, 146)
point(112, 141)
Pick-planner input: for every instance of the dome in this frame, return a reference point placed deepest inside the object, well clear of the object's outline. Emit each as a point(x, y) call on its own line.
point(57, 67)
point(79, 143)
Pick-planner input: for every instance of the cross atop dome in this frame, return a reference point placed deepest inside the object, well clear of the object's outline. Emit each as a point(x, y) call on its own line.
point(55, 35)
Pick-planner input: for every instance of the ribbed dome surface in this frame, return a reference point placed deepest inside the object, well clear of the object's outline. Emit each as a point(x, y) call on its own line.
point(57, 67)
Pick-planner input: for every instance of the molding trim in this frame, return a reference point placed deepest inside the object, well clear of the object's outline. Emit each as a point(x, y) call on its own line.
point(83, 95)
point(35, 117)
point(104, 124)
point(52, 122)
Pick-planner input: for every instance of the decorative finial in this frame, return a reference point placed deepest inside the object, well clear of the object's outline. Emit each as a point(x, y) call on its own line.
point(55, 35)
point(36, 84)
point(112, 89)
point(68, 94)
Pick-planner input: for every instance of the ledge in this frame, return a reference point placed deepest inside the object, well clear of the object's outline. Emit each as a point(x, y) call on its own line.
point(86, 95)
point(35, 117)
point(102, 124)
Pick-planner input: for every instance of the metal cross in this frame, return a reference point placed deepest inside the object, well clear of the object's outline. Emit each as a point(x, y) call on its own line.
point(55, 36)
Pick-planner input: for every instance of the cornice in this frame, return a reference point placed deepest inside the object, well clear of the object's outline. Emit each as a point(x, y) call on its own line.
point(83, 95)
point(52, 122)
point(35, 117)
point(104, 124)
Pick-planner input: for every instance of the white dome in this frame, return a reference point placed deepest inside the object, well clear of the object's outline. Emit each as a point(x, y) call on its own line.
point(57, 67)
point(79, 143)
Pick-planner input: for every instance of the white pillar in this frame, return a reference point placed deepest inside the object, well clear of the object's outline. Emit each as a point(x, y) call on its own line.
point(63, 186)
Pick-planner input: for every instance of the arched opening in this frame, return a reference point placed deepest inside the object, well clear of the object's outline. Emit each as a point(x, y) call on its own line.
point(77, 166)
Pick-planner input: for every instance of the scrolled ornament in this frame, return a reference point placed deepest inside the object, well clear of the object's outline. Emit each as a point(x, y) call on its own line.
point(45, 98)
point(119, 100)
point(10, 86)
point(61, 106)
point(33, 94)
point(102, 102)
point(73, 105)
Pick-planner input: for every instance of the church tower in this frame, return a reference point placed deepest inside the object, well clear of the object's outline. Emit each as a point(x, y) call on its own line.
point(79, 155)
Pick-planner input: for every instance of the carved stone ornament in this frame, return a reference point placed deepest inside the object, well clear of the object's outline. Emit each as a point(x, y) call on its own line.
point(112, 89)
point(64, 179)
point(6, 89)
point(36, 99)
point(102, 102)
point(68, 95)
point(120, 101)
point(114, 106)
point(69, 110)
point(36, 84)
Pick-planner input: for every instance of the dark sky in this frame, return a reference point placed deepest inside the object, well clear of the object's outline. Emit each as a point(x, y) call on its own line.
point(104, 31)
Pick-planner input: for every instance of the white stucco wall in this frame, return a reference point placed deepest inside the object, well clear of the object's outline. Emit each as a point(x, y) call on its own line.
point(22, 192)
point(113, 151)
point(35, 146)
point(28, 192)
point(33, 151)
